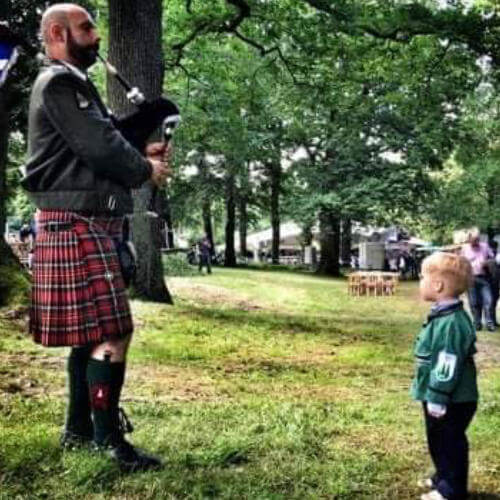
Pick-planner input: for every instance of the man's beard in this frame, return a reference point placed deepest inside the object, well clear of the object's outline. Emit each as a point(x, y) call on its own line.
point(84, 56)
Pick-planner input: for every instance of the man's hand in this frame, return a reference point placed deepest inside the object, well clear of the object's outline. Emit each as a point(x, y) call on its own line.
point(160, 171)
point(159, 153)
point(436, 410)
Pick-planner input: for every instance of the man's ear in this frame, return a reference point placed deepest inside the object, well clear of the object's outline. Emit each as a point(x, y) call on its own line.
point(57, 33)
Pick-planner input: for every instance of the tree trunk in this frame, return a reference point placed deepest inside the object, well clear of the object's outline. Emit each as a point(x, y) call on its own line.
point(135, 47)
point(329, 225)
point(230, 254)
point(243, 204)
point(275, 211)
point(206, 205)
point(166, 215)
point(346, 241)
point(206, 214)
point(4, 141)
point(491, 230)
point(243, 225)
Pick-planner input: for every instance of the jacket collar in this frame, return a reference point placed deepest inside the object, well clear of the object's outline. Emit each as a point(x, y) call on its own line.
point(439, 310)
point(78, 72)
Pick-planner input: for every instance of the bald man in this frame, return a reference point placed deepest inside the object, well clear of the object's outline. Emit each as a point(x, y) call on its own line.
point(79, 174)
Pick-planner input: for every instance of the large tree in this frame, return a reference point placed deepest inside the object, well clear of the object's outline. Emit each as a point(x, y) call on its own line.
point(379, 91)
point(135, 47)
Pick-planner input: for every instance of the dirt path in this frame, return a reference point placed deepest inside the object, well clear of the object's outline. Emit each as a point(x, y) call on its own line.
point(212, 294)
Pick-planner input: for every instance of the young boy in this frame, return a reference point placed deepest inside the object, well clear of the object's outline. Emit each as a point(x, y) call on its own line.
point(445, 379)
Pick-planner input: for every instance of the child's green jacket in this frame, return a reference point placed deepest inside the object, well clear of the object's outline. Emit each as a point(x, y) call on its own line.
point(444, 349)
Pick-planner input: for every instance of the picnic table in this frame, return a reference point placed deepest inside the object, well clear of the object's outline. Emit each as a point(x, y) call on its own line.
point(372, 283)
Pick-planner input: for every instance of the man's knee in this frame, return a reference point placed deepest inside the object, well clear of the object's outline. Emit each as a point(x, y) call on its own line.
point(114, 350)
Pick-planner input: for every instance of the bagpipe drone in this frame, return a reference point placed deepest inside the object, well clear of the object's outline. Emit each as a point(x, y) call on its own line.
point(138, 126)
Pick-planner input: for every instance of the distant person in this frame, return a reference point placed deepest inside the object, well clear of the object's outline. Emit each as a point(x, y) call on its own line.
point(204, 252)
point(393, 262)
point(445, 378)
point(26, 231)
point(493, 273)
point(480, 298)
point(354, 261)
point(27, 235)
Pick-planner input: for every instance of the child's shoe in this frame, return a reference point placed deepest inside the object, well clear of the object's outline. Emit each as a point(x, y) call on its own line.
point(432, 495)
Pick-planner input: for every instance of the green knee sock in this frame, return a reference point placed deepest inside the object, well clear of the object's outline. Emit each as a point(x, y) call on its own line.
point(105, 384)
point(78, 414)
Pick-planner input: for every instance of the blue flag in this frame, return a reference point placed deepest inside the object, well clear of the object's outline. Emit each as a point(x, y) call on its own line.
point(8, 56)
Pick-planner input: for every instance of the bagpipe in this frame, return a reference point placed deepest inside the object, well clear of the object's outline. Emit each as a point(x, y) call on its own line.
point(138, 126)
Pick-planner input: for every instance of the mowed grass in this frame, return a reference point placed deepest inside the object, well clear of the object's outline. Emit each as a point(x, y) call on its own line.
point(256, 384)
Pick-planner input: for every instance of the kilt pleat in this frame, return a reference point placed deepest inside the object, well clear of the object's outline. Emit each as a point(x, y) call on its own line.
point(78, 294)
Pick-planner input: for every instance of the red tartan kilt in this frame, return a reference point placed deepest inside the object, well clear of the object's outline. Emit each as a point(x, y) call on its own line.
point(78, 294)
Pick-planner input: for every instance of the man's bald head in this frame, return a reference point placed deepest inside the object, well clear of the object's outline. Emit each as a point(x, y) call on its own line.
point(58, 13)
point(69, 34)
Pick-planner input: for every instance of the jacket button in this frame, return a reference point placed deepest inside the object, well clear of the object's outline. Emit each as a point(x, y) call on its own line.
point(108, 275)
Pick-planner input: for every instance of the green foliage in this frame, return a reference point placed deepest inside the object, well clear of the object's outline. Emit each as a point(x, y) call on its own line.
point(14, 286)
point(18, 204)
point(467, 190)
point(176, 264)
point(377, 114)
point(379, 94)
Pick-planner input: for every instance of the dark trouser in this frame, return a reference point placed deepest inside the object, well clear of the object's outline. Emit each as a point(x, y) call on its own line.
point(205, 261)
point(480, 300)
point(449, 448)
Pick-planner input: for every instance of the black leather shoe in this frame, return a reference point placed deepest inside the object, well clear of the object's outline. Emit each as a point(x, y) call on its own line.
point(72, 440)
point(132, 459)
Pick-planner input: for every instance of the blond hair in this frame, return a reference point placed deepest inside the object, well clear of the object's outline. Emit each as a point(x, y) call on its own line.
point(453, 269)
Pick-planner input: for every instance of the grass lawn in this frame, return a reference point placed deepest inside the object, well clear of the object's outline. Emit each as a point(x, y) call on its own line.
point(256, 384)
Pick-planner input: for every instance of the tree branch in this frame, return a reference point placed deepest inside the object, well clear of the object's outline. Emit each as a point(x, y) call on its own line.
point(244, 12)
point(205, 27)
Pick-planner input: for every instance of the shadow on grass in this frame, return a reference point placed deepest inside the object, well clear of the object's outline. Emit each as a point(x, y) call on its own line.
point(282, 268)
point(357, 329)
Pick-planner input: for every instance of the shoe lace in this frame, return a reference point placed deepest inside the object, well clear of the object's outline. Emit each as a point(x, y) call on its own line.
point(124, 422)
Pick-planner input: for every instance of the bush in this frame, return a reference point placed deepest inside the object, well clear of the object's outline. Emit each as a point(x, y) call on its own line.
point(14, 286)
point(176, 264)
